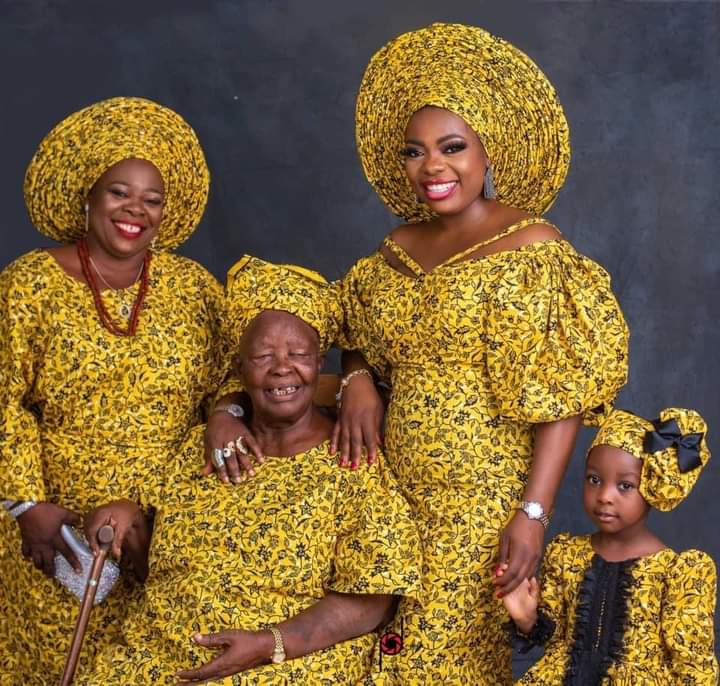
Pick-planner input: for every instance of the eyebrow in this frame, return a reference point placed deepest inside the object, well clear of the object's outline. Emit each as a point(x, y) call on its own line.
point(146, 190)
point(628, 474)
point(439, 140)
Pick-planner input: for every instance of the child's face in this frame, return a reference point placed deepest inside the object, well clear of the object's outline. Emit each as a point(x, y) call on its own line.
point(610, 493)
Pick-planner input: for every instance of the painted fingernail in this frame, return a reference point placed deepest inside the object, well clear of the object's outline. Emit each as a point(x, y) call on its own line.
point(499, 594)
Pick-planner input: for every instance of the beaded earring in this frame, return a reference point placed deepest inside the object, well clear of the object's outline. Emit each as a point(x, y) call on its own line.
point(488, 191)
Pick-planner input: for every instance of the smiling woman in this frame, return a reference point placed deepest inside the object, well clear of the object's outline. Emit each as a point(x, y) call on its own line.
point(282, 579)
point(109, 346)
point(495, 335)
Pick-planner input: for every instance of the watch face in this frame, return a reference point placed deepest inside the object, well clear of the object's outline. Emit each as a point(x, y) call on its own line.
point(534, 510)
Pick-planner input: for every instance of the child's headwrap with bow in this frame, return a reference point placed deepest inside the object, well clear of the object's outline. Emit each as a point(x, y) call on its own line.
point(673, 450)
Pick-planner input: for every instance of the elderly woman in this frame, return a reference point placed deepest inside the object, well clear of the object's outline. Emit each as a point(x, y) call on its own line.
point(495, 334)
point(109, 344)
point(286, 575)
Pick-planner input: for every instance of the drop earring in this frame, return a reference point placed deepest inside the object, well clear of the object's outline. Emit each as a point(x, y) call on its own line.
point(488, 191)
point(87, 218)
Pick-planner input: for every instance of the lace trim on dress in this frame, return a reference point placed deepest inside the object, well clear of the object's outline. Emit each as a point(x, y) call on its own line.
point(600, 620)
point(539, 635)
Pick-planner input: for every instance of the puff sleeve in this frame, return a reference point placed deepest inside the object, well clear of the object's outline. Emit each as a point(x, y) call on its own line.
point(377, 547)
point(557, 339)
point(21, 298)
point(356, 327)
point(687, 619)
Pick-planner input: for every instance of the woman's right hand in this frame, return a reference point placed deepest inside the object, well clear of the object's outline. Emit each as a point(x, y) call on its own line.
point(41, 539)
point(359, 422)
point(222, 432)
point(122, 515)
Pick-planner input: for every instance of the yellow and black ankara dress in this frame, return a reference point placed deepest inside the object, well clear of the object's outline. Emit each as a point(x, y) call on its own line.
point(641, 622)
point(85, 417)
point(476, 352)
point(252, 555)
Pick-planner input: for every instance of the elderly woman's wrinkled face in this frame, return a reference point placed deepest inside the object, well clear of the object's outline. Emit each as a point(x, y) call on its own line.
point(125, 208)
point(279, 363)
point(444, 160)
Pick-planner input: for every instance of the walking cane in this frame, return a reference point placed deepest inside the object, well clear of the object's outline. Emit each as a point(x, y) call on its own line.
point(105, 538)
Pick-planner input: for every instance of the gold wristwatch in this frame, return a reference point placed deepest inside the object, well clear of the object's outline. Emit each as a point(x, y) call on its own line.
point(278, 655)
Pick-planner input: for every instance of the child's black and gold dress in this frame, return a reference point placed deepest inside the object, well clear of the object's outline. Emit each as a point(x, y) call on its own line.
point(642, 622)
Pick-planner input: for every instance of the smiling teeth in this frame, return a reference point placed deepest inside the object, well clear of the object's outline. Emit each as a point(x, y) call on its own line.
point(288, 390)
point(440, 187)
point(130, 228)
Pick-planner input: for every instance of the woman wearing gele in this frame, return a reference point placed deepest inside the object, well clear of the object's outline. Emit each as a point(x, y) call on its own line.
point(109, 344)
point(494, 334)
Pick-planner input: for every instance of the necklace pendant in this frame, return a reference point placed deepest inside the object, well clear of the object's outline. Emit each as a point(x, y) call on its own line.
point(125, 311)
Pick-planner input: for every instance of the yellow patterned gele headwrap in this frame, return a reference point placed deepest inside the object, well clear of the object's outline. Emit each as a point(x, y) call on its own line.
point(254, 286)
point(73, 156)
point(497, 89)
point(673, 449)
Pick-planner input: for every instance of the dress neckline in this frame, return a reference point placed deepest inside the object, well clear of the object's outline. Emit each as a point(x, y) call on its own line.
point(650, 556)
point(409, 262)
point(56, 265)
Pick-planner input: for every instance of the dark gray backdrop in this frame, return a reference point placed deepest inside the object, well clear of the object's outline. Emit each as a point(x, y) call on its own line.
point(269, 85)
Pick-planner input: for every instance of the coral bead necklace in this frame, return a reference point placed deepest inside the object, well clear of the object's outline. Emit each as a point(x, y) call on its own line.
point(134, 313)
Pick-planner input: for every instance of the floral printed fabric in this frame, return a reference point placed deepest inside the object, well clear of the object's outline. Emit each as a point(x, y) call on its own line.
point(85, 416)
point(477, 351)
point(667, 636)
point(252, 555)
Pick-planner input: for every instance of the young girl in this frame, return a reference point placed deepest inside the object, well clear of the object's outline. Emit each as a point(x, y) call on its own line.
point(619, 607)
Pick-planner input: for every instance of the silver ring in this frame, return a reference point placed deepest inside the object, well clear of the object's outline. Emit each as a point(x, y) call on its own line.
point(240, 445)
point(217, 458)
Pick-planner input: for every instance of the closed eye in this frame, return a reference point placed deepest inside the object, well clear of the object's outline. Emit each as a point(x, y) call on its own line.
point(259, 359)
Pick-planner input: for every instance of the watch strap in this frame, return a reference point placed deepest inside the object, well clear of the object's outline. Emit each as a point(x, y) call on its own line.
point(543, 517)
point(278, 654)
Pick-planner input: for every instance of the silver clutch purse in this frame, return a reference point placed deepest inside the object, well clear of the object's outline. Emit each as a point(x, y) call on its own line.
point(76, 582)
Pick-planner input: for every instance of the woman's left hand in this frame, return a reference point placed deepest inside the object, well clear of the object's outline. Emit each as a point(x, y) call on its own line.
point(521, 546)
point(241, 650)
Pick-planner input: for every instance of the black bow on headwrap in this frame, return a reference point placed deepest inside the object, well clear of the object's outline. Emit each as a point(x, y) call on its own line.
point(668, 434)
